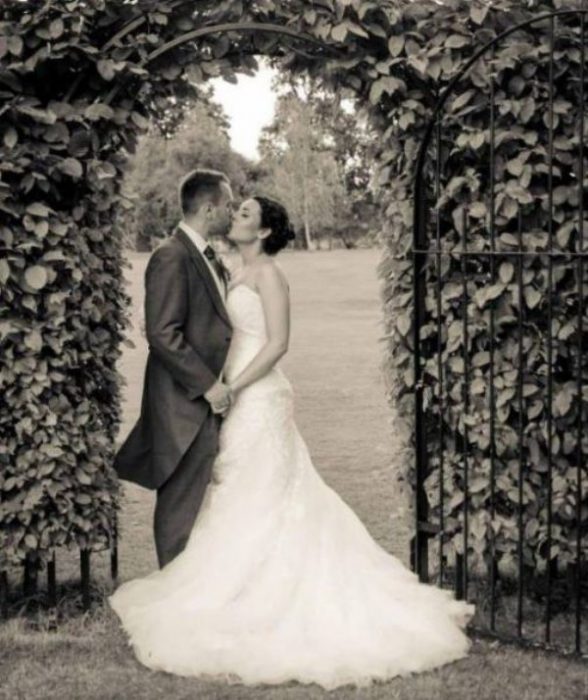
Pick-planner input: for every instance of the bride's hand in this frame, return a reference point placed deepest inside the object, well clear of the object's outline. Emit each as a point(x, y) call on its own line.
point(231, 398)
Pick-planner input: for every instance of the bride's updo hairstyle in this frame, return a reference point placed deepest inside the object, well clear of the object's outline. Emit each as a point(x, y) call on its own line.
point(275, 217)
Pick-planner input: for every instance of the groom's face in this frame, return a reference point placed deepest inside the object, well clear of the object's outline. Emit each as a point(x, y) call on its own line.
point(222, 215)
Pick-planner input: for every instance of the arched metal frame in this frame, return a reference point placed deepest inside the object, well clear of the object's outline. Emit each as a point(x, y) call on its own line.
point(226, 28)
point(424, 530)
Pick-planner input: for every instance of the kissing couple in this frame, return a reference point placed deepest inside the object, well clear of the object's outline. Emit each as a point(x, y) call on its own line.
point(266, 575)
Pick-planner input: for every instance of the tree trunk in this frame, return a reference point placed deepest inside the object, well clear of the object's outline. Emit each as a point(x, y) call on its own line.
point(307, 234)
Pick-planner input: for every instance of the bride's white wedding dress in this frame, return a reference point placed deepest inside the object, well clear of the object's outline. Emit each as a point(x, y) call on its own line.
point(280, 580)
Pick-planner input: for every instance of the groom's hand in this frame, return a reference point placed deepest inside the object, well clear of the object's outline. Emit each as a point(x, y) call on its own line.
point(219, 397)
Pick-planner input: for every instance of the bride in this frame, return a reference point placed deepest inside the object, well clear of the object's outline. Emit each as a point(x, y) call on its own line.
point(280, 580)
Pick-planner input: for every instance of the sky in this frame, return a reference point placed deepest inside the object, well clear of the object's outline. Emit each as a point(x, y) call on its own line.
point(249, 105)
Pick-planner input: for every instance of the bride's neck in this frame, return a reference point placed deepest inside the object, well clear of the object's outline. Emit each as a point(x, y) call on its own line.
point(249, 255)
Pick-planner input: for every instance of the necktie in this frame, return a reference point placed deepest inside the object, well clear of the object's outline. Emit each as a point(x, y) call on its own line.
point(218, 266)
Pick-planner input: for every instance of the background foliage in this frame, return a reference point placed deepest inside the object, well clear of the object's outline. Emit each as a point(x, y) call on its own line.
point(318, 159)
point(163, 159)
point(74, 103)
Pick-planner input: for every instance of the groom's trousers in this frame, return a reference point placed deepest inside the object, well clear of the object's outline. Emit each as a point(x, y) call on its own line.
point(180, 497)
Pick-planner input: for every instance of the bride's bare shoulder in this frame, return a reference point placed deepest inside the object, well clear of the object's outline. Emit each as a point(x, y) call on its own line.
point(270, 273)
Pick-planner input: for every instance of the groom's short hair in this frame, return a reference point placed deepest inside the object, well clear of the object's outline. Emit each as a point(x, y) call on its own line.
point(201, 186)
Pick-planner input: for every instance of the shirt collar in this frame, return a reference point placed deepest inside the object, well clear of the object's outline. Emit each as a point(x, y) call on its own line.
point(194, 236)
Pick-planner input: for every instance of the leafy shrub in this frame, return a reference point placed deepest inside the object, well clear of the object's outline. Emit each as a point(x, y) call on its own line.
point(437, 44)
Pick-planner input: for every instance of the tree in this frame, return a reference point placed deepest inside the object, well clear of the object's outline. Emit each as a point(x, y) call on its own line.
point(298, 170)
point(319, 158)
point(163, 158)
point(169, 113)
point(352, 143)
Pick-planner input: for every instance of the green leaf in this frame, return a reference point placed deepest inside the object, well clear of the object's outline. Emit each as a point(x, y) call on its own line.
point(515, 166)
point(15, 45)
point(41, 229)
point(509, 239)
point(506, 272)
point(456, 41)
point(480, 359)
point(98, 111)
point(72, 167)
point(44, 116)
point(106, 68)
point(31, 541)
point(532, 296)
point(395, 45)
point(563, 401)
point(419, 64)
point(4, 271)
point(478, 13)
point(339, 32)
point(83, 477)
point(10, 137)
point(34, 341)
point(403, 324)
point(56, 28)
point(461, 100)
point(564, 232)
point(478, 210)
point(36, 277)
point(39, 209)
point(357, 30)
point(486, 294)
point(140, 120)
point(53, 255)
point(386, 84)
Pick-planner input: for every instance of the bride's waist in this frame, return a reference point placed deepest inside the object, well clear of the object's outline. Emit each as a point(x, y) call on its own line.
point(243, 349)
point(273, 378)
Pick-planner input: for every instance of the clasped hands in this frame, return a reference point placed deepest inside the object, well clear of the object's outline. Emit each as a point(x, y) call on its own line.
point(220, 396)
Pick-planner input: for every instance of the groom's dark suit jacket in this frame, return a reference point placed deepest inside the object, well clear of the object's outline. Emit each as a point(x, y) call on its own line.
point(189, 332)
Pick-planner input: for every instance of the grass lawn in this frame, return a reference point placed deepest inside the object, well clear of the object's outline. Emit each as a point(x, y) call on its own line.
point(334, 366)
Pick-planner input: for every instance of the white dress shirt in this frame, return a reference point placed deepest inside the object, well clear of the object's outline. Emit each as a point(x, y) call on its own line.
point(201, 244)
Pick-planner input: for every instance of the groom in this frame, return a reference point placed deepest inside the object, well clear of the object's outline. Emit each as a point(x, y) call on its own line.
point(174, 443)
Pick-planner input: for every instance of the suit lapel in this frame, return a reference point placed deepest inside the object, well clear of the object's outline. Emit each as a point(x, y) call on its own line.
point(202, 268)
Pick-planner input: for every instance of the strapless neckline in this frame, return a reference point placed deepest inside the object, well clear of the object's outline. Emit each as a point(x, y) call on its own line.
point(244, 286)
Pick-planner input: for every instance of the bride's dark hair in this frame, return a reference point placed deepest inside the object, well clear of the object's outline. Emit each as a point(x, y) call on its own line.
point(275, 217)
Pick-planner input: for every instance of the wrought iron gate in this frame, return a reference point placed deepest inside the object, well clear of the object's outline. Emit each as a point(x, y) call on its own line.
point(463, 247)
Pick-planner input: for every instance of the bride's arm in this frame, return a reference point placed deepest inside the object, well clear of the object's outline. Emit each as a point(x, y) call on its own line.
point(276, 307)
